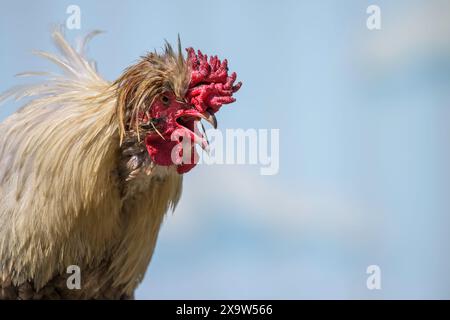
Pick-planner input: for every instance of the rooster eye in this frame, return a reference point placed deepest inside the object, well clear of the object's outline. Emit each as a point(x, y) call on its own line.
point(165, 100)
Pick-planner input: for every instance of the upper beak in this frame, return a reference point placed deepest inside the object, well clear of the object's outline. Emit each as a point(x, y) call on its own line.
point(210, 117)
point(206, 115)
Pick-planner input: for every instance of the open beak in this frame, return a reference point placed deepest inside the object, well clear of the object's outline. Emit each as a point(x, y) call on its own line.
point(200, 139)
point(210, 117)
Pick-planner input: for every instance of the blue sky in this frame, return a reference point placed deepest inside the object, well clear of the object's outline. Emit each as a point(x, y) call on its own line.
point(363, 118)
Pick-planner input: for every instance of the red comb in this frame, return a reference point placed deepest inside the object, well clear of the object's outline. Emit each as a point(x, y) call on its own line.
point(210, 86)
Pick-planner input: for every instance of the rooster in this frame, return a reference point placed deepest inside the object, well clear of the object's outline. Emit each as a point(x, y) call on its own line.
point(88, 168)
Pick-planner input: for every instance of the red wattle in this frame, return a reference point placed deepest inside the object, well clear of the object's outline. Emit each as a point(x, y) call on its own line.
point(160, 152)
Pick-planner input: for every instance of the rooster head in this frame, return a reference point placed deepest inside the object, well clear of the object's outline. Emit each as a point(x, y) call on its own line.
point(163, 98)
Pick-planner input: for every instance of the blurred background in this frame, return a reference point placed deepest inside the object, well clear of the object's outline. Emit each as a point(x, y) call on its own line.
point(364, 142)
